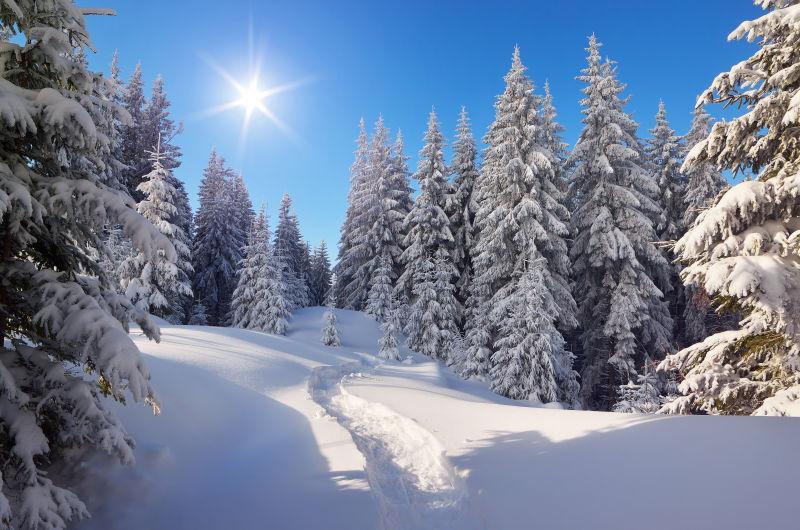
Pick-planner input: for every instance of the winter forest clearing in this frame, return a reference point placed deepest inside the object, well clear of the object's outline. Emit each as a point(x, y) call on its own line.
point(519, 333)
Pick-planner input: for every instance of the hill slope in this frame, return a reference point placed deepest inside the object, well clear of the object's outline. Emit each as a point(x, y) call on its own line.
point(259, 431)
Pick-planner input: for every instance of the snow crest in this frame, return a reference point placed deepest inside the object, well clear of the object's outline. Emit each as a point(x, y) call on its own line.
point(414, 483)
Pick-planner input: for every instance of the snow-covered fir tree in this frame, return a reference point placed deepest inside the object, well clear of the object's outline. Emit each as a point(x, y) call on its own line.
point(401, 186)
point(461, 206)
point(133, 148)
point(641, 397)
point(429, 272)
point(620, 308)
point(252, 276)
point(379, 300)
point(198, 316)
point(520, 210)
point(153, 281)
point(663, 150)
point(704, 183)
point(320, 277)
point(290, 251)
point(217, 244)
point(330, 333)
point(348, 263)
point(743, 250)
point(388, 346)
point(551, 137)
point(63, 339)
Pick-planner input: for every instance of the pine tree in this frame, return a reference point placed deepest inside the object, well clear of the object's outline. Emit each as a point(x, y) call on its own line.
point(290, 251)
point(252, 276)
point(379, 300)
point(133, 148)
point(157, 126)
point(217, 244)
point(320, 276)
point(662, 152)
point(704, 183)
point(520, 211)
point(63, 340)
point(330, 334)
point(461, 206)
point(429, 271)
point(155, 282)
point(743, 250)
point(348, 264)
point(402, 187)
point(620, 308)
point(388, 347)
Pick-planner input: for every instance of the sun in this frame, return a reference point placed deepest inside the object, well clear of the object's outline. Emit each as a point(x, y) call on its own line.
point(250, 97)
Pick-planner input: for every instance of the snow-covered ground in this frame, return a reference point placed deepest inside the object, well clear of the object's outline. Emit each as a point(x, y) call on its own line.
point(267, 432)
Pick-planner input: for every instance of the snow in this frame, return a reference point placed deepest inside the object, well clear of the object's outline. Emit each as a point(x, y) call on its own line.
point(265, 431)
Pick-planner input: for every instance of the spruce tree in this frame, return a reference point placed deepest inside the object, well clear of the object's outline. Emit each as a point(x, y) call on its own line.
point(347, 264)
point(63, 339)
point(330, 334)
point(520, 211)
point(663, 150)
point(252, 276)
point(217, 244)
point(154, 281)
point(290, 251)
point(379, 300)
point(320, 275)
point(388, 347)
point(743, 250)
point(620, 308)
point(461, 206)
point(429, 272)
point(133, 147)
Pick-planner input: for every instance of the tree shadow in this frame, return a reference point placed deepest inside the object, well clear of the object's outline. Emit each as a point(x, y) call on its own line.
point(654, 472)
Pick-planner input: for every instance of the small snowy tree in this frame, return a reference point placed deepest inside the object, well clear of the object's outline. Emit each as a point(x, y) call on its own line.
point(151, 280)
point(320, 279)
point(330, 334)
point(388, 347)
point(290, 250)
point(663, 150)
point(641, 397)
point(198, 315)
point(743, 250)
point(379, 301)
point(63, 328)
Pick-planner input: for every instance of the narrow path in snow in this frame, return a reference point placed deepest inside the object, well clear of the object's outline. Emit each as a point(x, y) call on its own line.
point(412, 480)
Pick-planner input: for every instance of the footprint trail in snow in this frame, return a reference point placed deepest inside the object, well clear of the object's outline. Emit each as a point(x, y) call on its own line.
point(414, 484)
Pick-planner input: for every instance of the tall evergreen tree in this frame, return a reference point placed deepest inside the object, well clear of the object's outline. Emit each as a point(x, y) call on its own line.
point(429, 271)
point(743, 250)
point(133, 147)
point(153, 281)
point(348, 264)
point(320, 277)
point(217, 243)
point(704, 183)
point(521, 211)
point(461, 206)
point(663, 150)
point(63, 339)
point(619, 306)
point(251, 287)
point(290, 251)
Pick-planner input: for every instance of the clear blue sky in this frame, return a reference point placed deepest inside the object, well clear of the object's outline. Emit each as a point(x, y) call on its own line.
point(398, 59)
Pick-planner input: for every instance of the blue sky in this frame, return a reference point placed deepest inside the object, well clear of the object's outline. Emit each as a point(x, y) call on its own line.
point(398, 59)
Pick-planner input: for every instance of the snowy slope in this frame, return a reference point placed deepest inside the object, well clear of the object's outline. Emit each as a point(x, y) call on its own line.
point(259, 431)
